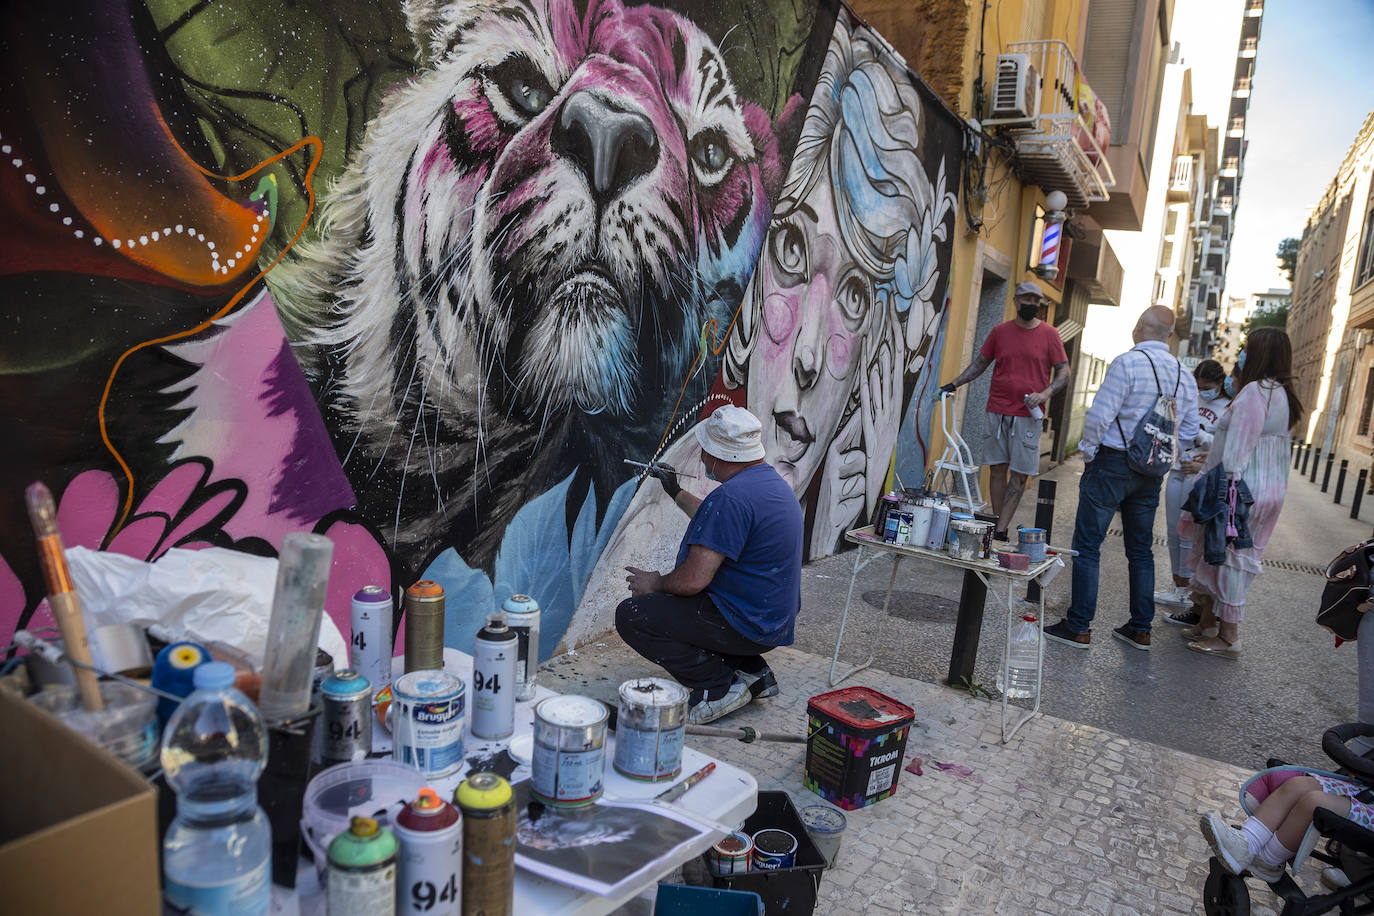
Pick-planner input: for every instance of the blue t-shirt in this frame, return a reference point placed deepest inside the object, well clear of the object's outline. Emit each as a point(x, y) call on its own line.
point(754, 519)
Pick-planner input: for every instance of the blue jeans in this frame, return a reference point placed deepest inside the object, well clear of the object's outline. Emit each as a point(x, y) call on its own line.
point(1109, 486)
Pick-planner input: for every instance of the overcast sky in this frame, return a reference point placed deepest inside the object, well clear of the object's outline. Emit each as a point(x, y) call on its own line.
point(1313, 88)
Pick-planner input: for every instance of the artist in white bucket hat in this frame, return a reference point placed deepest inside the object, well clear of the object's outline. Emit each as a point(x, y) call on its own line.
point(736, 590)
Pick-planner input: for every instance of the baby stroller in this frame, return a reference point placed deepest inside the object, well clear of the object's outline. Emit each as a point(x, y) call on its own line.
point(1347, 846)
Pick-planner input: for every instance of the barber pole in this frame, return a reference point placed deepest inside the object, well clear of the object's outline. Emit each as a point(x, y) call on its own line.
point(1049, 246)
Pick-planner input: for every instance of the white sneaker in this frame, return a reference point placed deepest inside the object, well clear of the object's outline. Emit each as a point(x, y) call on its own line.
point(1269, 874)
point(1228, 843)
point(1334, 878)
point(1178, 596)
point(737, 697)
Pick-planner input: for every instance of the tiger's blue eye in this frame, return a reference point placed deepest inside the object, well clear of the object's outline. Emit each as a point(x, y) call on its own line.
point(711, 153)
point(533, 99)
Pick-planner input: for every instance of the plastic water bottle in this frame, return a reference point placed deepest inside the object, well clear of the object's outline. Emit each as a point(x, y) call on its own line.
point(1023, 661)
point(217, 852)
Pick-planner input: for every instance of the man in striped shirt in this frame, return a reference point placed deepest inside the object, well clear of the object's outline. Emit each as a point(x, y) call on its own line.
point(1133, 382)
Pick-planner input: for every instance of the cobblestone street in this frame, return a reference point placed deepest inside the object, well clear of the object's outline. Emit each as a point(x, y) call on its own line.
point(1067, 818)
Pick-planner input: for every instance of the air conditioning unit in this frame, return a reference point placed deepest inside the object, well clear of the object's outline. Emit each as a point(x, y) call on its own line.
point(1015, 91)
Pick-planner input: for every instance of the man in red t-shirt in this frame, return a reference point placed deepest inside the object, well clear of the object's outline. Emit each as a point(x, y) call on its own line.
point(1030, 366)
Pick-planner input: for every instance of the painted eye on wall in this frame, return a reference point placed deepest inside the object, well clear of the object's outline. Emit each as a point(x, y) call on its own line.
point(711, 156)
point(788, 247)
point(854, 298)
point(521, 87)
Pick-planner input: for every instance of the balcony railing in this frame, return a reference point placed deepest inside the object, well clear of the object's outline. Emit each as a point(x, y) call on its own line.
point(1242, 90)
point(1249, 47)
point(1057, 149)
point(1237, 128)
point(1254, 8)
point(1181, 179)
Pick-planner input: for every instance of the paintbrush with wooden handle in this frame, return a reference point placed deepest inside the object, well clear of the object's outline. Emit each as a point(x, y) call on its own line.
point(62, 597)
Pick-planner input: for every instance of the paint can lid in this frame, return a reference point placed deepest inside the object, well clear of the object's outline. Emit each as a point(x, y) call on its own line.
point(363, 826)
point(213, 676)
point(482, 792)
point(822, 819)
point(520, 604)
point(345, 682)
point(372, 593)
point(862, 708)
point(425, 588)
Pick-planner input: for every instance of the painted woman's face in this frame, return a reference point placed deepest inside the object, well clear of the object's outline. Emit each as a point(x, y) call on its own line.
point(817, 307)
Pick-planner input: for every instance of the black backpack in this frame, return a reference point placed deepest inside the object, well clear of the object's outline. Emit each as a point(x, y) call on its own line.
point(1346, 595)
point(1151, 448)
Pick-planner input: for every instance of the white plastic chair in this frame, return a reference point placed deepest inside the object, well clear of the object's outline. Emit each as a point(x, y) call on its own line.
point(955, 472)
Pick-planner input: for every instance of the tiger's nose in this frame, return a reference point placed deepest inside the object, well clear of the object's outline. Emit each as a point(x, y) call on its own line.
point(611, 145)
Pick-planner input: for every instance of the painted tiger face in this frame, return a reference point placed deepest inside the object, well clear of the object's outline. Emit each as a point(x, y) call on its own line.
point(580, 191)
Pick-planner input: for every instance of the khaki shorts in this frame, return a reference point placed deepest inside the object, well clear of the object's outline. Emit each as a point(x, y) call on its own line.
point(1014, 441)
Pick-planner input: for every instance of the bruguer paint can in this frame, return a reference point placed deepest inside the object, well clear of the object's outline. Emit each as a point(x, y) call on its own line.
point(493, 680)
point(522, 616)
point(733, 855)
point(427, 722)
point(424, 618)
point(649, 729)
point(370, 650)
point(488, 881)
point(347, 698)
point(569, 759)
point(362, 870)
point(430, 831)
point(774, 849)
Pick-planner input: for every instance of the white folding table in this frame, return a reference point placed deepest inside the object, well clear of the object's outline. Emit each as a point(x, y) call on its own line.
point(871, 547)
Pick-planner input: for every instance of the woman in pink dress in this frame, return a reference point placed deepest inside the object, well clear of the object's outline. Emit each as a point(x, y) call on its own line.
point(1252, 445)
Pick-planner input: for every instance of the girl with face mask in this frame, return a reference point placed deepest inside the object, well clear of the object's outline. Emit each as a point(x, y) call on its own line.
point(1212, 401)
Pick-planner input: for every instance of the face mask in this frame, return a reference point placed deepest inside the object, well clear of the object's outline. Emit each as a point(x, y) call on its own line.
point(1028, 310)
point(709, 468)
point(1230, 386)
point(1209, 394)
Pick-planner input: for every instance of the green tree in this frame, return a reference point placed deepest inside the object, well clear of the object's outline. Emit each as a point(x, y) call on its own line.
point(1271, 316)
point(1288, 261)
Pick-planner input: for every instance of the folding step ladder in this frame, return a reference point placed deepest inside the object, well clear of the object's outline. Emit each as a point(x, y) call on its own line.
point(955, 472)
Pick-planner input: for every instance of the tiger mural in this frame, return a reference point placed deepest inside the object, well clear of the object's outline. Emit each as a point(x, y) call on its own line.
point(513, 271)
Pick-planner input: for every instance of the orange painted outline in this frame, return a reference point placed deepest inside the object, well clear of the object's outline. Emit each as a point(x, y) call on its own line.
point(318, 153)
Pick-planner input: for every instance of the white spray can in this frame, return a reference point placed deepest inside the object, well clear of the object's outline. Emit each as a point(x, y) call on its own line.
point(430, 831)
point(370, 652)
point(522, 616)
point(493, 680)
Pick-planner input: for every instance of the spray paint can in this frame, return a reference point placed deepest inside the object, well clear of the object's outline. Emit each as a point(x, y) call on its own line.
point(650, 728)
point(424, 616)
point(522, 616)
point(324, 667)
point(362, 870)
point(427, 722)
point(347, 697)
point(569, 760)
point(493, 680)
point(939, 525)
point(370, 652)
point(488, 808)
point(430, 832)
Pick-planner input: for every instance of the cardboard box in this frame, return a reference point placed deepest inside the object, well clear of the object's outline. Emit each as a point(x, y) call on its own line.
point(78, 828)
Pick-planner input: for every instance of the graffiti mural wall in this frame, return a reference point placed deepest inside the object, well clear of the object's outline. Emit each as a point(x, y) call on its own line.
point(421, 275)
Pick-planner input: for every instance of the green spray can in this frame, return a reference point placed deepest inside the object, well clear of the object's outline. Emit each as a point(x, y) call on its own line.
point(362, 870)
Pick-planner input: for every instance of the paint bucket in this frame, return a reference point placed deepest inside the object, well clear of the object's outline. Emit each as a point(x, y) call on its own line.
point(921, 515)
point(858, 737)
point(774, 849)
point(968, 539)
point(1031, 541)
point(427, 722)
point(650, 728)
point(569, 751)
point(825, 826)
point(733, 855)
point(952, 540)
point(377, 788)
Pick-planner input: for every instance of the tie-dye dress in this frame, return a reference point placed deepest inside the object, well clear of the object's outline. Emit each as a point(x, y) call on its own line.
point(1252, 442)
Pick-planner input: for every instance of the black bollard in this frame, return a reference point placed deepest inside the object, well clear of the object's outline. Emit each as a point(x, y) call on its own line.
point(1297, 455)
point(1340, 480)
point(1306, 454)
point(1044, 518)
point(1326, 477)
point(1316, 463)
point(1359, 493)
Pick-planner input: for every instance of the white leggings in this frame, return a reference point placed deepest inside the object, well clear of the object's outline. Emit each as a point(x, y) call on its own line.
point(1175, 492)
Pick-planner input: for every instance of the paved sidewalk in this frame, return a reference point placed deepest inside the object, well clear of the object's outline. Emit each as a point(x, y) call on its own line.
point(1067, 819)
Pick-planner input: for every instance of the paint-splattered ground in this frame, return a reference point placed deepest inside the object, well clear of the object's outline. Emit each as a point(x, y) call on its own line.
point(1066, 818)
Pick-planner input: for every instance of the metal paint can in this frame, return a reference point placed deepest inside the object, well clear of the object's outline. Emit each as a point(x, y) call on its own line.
point(920, 522)
point(774, 849)
point(733, 855)
point(986, 550)
point(825, 826)
point(522, 616)
point(1031, 541)
point(488, 807)
point(953, 539)
point(968, 539)
point(885, 506)
point(427, 722)
point(370, 651)
point(569, 751)
point(362, 870)
point(891, 525)
point(347, 698)
point(430, 831)
point(904, 524)
point(493, 680)
point(424, 617)
point(939, 526)
point(649, 729)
